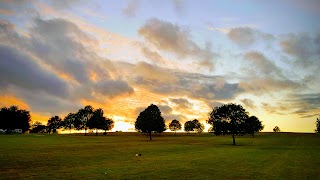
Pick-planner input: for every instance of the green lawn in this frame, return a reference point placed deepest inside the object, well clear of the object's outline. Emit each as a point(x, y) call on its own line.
point(267, 156)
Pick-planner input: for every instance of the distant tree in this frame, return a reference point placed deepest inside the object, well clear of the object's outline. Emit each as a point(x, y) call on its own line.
point(276, 129)
point(318, 125)
point(83, 115)
point(107, 125)
point(188, 126)
point(69, 120)
point(14, 118)
point(54, 123)
point(253, 125)
point(38, 127)
point(174, 126)
point(150, 120)
point(97, 121)
point(230, 118)
point(198, 127)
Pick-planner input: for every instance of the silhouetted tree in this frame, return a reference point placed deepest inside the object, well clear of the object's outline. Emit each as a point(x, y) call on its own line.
point(253, 125)
point(276, 129)
point(83, 115)
point(318, 125)
point(54, 123)
point(230, 116)
point(38, 127)
point(69, 120)
point(14, 118)
point(198, 127)
point(98, 121)
point(107, 125)
point(188, 126)
point(174, 126)
point(150, 120)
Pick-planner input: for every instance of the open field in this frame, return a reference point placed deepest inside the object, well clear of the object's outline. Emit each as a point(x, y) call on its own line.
point(267, 156)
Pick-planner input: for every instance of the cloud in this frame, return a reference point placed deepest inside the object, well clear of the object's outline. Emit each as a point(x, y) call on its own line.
point(182, 103)
point(19, 69)
point(152, 74)
point(246, 36)
point(153, 56)
point(112, 88)
point(304, 47)
point(307, 105)
point(132, 8)
point(175, 39)
point(261, 64)
point(265, 85)
point(249, 103)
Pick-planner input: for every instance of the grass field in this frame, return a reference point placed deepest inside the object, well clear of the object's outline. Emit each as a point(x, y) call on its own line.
point(267, 156)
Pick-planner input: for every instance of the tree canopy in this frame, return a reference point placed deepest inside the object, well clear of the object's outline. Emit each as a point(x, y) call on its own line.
point(174, 125)
point(14, 118)
point(54, 123)
point(150, 120)
point(228, 119)
point(193, 125)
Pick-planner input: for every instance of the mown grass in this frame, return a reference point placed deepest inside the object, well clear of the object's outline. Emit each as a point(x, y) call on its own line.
point(267, 156)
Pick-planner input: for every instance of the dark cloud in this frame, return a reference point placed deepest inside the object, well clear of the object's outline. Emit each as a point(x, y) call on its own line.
point(175, 39)
point(182, 103)
point(246, 36)
point(304, 47)
point(308, 104)
point(112, 88)
point(19, 69)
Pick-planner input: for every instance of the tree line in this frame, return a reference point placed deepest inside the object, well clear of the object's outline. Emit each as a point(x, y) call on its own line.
point(227, 119)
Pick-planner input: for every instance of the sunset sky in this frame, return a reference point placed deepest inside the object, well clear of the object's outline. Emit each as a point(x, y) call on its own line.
point(185, 56)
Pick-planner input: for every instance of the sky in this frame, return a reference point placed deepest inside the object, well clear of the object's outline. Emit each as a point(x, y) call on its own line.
point(184, 56)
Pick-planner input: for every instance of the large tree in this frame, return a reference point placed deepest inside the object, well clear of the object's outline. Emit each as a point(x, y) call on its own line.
point(318, 125)
point(107, 125)
point(174, 126)
point(83, 115)
point(14, 118)
point(233, 115)
point(54, 123)
point(150, 120)
point(253, 125)
point(98, 121)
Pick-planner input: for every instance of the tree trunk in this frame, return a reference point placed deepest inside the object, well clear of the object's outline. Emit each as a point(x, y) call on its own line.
point(150, 136)
point(253, 135)
point(234, 140)
point(85, 131)
point(175, 133)
point(96, 132)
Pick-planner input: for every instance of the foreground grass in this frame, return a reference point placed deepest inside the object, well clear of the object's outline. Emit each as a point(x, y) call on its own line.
point(267, 156)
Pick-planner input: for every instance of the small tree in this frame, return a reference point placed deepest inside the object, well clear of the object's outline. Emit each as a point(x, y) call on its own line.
point(38, 127)
point(318, 125)
point(97, 120)
point(198, 127)
point(150, 120)
point(253, 125)
point(54, 123)
point(107, 125)
point(188, 126)
point(174, 126)
point(276, 129)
